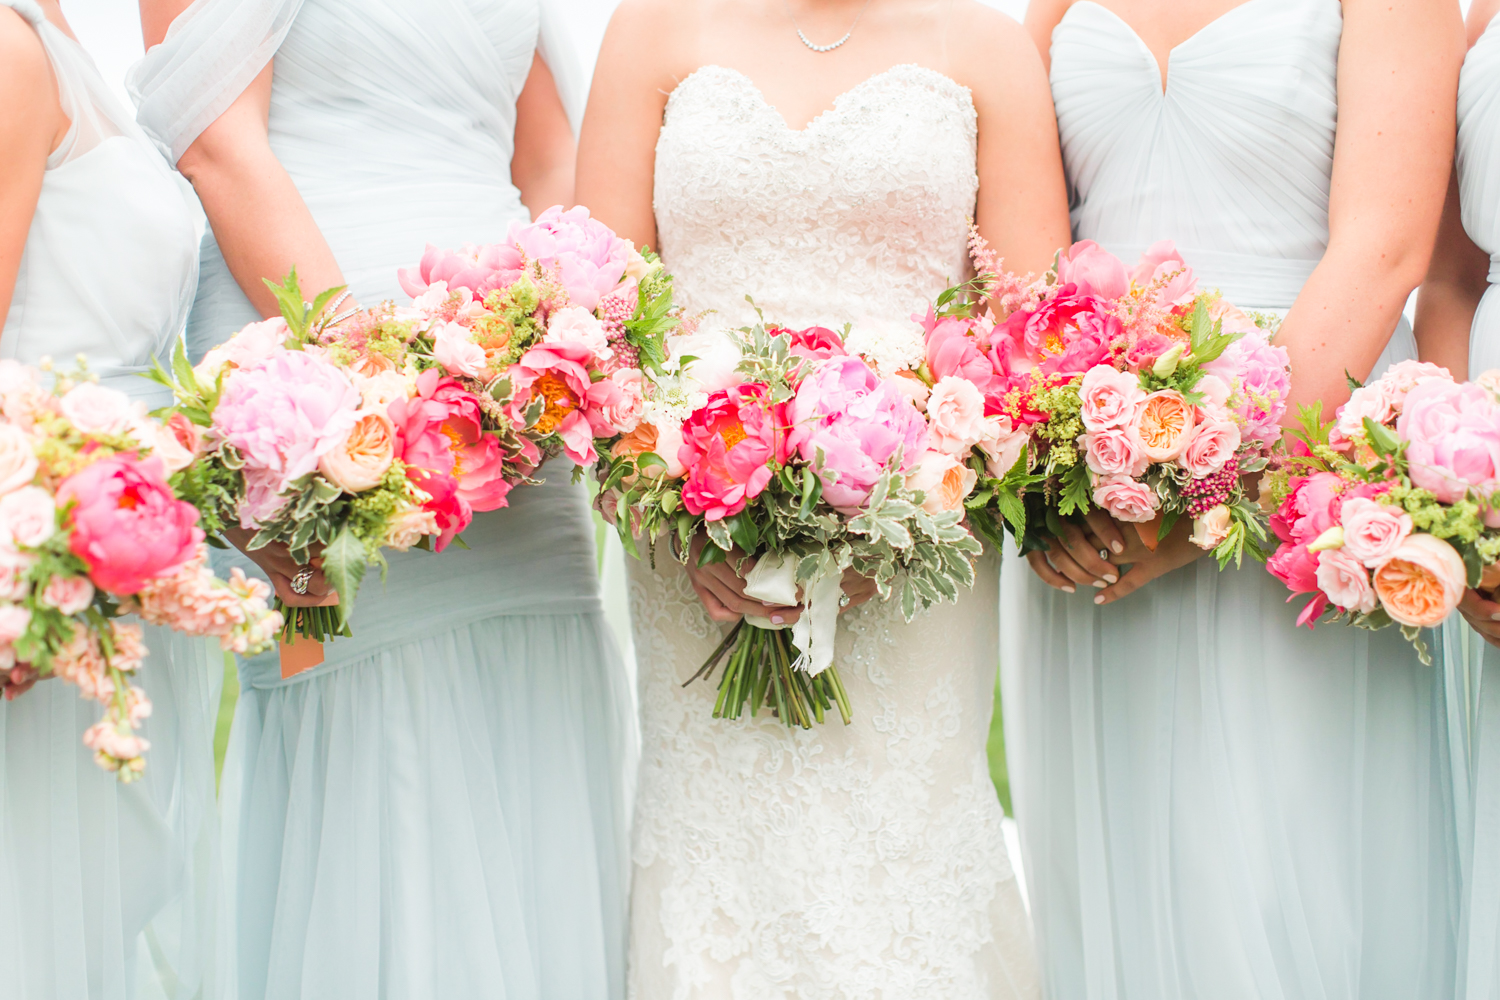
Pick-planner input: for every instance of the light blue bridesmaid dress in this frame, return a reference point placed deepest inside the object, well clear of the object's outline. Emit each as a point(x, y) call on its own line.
point(438, 810)
point(1471, 664)
point(1213, 803)
point(107, 890)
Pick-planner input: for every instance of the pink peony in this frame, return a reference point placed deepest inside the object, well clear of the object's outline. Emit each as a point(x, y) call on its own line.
point(1125, 499)
point(559, 374)
point(93, 409)
point(1373, 531)
point(1110, 398)
point(728, 446)
point(453, 347)
point(126, 524)
point(450, 513)
point(1453, 439)
point(585, 254)
point(1115, 451)
point(572, 325)
point(845, 411)
point(440, 431)
point(1212, 446)
point(68, 594)
point(816, 342)
point(944, 481)
point(1345, 580)
point(1068, 334)
point(282, 415)
point(1160, 261)
point(1258, 376)
point(1422, 582)
point(28, 517)
point(252, 345)
point(951, 351)
point(955, 416)
point(1094, 270)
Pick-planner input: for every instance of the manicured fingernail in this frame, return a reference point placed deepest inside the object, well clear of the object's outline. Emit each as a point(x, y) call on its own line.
point(1098, 598)
point(1068, 590)
point(1495, 617)
point(1111, 577)
point(1117, 546)
point(1100, 584)
point(775, 619)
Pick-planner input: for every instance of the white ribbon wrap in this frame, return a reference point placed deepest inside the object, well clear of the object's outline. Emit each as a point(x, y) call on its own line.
point(773, 579)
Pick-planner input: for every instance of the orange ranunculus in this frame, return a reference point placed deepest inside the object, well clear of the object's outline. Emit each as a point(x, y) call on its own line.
point(1422, 581)
point(1165, 425)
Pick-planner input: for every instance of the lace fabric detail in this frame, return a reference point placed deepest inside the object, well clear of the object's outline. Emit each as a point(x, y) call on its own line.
point(861, 216)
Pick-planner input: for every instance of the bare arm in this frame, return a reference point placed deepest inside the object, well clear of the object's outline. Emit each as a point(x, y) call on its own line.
point(1041, 17)
point(259, 219)
point(617, 146)
point(1397, 86)
point(1456, 280)
point(30, 129)
point(1022, 207)
point(542, 166)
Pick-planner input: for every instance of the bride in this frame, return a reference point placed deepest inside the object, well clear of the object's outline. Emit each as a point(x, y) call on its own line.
point(825, 158)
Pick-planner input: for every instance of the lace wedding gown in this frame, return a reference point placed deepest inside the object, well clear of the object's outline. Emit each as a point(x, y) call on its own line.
point(864, 861)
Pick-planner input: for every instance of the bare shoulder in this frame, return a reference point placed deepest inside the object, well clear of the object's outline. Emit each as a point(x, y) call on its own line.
point(23, 61)
point(655, 35)
point(991, 49)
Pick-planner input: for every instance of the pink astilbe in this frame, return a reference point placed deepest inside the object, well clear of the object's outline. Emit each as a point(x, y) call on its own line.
point(1007, 292)
point(192, 600)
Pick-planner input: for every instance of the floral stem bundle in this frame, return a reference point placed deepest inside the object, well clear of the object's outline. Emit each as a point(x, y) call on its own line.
point(1386, 514)
point(91, 528)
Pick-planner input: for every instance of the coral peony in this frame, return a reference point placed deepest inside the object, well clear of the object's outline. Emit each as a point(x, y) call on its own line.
point(559, 374)
point(126, 524)
point(728, 447)
point(440, 430)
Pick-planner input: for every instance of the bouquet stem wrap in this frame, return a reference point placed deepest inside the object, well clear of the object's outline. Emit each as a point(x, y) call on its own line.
point(773, 579)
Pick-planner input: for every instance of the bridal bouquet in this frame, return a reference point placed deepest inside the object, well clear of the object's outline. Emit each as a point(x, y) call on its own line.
point(1387, 513)
point(392, 427)
point(1131, 392)
point(90, 529)
point(788, 447)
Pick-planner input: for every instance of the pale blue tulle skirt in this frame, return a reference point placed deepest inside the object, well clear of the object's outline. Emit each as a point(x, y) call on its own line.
point(108, 891)
point(1214, 803)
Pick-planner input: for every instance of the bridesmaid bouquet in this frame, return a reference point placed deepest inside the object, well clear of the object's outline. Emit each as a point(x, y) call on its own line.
point(90, 529)
point(1388, 512)
point(392, 427)
point(1131, 392)
point(788, 447)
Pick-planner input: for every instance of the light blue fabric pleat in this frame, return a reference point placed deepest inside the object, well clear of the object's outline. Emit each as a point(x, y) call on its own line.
point(1214, 803)
point(437, 812)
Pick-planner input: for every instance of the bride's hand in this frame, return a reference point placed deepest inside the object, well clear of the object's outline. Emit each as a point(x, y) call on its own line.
point(721, 588)
point(1082, 558)
point(857, 588)
point(279, 565)
point(1143, 565)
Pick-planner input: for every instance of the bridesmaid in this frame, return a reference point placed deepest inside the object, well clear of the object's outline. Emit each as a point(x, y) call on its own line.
point(1213, 803)
point(1458, 327)
point(437, 810)
point(106, 890)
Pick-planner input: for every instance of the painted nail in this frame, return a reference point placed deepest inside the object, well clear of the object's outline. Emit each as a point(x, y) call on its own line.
point(1111, 578)
point(1098, 598)
point(775, 619)
point(1100, 584)
point(1495, 617)
point(1117, 546)
point(1068, 590)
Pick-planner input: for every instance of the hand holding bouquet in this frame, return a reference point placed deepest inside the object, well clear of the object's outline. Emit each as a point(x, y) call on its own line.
point(790, 449)
point(90, 529)
point(1387, 513)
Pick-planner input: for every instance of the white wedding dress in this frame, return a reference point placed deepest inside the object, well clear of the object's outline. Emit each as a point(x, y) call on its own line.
point(862, 861)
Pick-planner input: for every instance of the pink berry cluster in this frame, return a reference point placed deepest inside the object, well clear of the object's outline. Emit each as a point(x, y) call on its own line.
point(613, 311)
point(1207, 493)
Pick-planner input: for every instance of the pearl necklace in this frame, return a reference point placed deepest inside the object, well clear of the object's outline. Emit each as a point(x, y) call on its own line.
point(832, 45)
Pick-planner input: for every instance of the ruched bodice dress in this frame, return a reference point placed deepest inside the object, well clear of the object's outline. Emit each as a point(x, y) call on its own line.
point(1211, 802)
point(1473, 667)
point(106, 890)
point(863, 861)
point(438, 809)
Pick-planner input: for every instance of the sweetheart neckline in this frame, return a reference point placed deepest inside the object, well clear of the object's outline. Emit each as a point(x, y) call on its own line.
point(838, 101)
point(1164, 74)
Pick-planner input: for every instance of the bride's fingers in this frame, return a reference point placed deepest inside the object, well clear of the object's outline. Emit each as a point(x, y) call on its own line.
point(1051, 577)
point(1068, 567)
point(1087, 555)
point(731, 590)
point(1106, 530)
point(715, 608)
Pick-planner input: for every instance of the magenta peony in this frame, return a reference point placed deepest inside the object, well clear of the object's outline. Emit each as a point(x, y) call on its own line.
point(126, 524)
